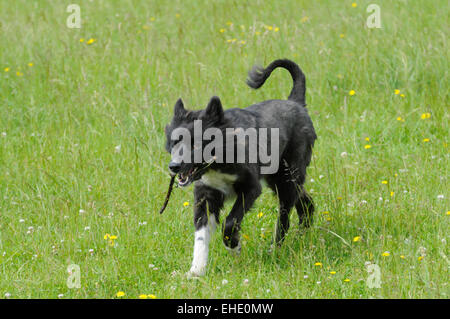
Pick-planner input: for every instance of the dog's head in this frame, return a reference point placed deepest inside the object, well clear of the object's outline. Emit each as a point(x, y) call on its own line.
point(184, 139)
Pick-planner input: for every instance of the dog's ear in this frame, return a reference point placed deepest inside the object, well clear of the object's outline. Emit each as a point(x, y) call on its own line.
point(214, 110)
point(179, 110)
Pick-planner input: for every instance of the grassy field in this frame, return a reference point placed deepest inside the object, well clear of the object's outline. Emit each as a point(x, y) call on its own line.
point(82, 113)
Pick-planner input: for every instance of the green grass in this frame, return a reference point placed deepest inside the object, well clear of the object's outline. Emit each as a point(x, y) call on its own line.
point(63, 117)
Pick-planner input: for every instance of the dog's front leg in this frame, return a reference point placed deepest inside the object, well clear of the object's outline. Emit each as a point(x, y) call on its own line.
point(247, 194)
point(208, 203)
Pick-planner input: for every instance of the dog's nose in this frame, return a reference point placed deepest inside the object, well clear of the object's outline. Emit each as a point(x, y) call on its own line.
point(174, 167)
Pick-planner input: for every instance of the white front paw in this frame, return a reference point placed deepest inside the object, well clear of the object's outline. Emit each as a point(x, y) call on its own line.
point(196, 272)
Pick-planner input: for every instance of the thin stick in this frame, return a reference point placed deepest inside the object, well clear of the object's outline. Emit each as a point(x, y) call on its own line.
point(166, 201)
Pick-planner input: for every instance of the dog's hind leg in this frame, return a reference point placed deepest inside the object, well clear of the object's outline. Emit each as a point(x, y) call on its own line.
point(305, 209)
point(208, 203)
point(287, 195)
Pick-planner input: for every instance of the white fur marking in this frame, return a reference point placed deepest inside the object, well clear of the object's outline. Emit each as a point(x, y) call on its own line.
point(201, 247)
point(220, 181)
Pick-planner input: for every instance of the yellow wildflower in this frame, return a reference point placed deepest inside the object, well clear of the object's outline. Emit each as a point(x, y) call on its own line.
point(420, 258)
point(354, 4)
point(346, 280)
point(152, 296)
point(30, 64)
point(384, 182)
point(260, 214)
point(402, 95)
point(142, 296)
point(242, 42)
point(222, 30)
point(18, 73)
point(425, 116)
point(367, 146)
point(90, 41)
point(343, 36)
point(177, 15)
point(82, 40)
point(352, 92)
point(367, 139)
point(333, 272)
point(245, 237)
point(185, 204)
point(448, 213)
point(120, 294)
point(426, 140)
point(356, 238)
point(106, 236)
point(392, 194)
point(318, 264)
point(386, 254)
point(397, 92)
point(402, 256)
point(276, 29)
point(304, 19)
point(6, 69)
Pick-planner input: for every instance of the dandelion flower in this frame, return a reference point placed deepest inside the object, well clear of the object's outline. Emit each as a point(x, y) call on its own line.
point(425, 140)
point(392, 194)
point(419, 258)
point(269, 27)
point(352, 92)
point(120, 294)
point(367, 139)
point(151, 296)
point(397, 92)
point(367, 146)
point(245, 237)
point(343, 36)
point(185, 204)
point(106, 236)
point(448, 213)
point(326, 212)
point(384, 182)
point(400, 119)
point(90, 41)
point(354, 4)
point(177, 15)
point(346, 280)
point(318, 264)
point(18, 73)
point(276, 29)
point(333, 272)
point(242, 42)
point(30, 64)
point(260, 214)
point(402, 256)
point(6, 69)
point(402, 95)
point(82, 40)
point(386, 254)
point(425, 116)
point(222, 30)
point(356, 239)
point(142, 296)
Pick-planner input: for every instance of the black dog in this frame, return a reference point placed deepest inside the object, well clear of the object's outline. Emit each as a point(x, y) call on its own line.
point(216, 180)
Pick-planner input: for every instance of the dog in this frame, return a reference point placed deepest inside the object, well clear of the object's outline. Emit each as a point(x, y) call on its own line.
point(216, 181)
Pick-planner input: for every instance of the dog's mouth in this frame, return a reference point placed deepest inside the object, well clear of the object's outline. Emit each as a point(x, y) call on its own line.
point(184, 179)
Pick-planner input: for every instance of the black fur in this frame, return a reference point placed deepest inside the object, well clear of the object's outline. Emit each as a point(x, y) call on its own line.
point(296, 140)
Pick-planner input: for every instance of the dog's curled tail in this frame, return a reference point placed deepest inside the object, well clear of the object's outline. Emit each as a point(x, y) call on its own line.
point(258, 75)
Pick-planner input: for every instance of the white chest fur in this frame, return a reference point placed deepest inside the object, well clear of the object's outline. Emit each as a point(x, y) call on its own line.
point(220, 181)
